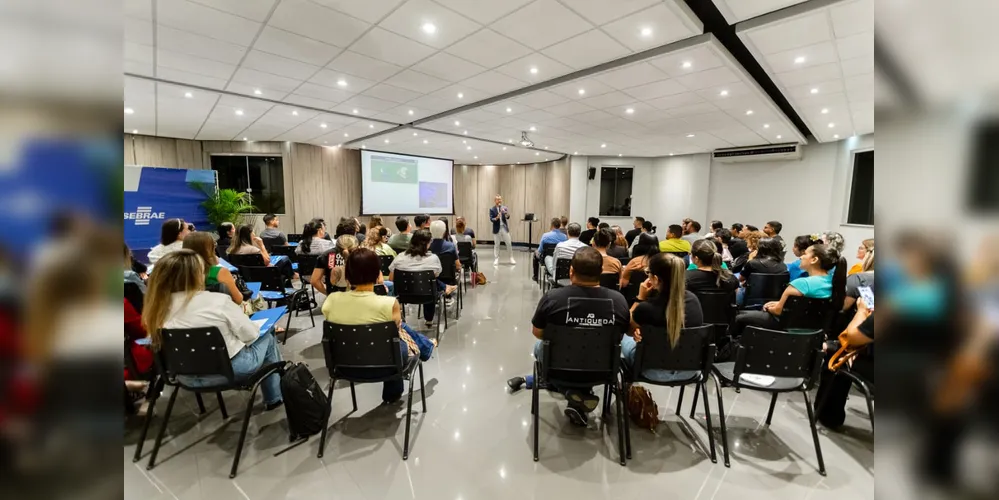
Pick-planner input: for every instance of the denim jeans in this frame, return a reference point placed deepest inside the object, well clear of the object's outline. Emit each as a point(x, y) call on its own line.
point(628, 347)
point(390, 286)
point(426, 347)
point(431, 308)
point(246, 362)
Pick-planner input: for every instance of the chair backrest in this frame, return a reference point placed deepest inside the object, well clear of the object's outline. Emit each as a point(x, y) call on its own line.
point(581, 354)
point(286, 250)
point(271, 243)
point(386, 261)
point(548, 250)
point(630, 292)
point(718, 307)
point(762, 288)
point(306, 265)
point(780, 354)
point(801, 313)
point(610, 280)
point(294, 237)
point(465, 251)
point(562, 269)
point(448, 274)
point(415, 287)
point(693, 352)
point(134, 296)
point(270, 278)
point(194, 351)
point(246, 260)
point(624, 261)
point(374, 346)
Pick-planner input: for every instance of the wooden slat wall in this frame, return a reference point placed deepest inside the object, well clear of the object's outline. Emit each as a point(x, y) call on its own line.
point(535, 190)
point(162, 152)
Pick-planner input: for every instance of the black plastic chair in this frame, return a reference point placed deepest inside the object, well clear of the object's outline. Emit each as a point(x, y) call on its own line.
point(561, 278)
point(611, 281)
point(449, 276)
point(273, 290)
point(681, 255)
point(420, 287)
point(762, 288)
point(368, 348)
point(547, 250)
point(793, 359)
point(385, 261)
point(465, 254)
point(635, 281)
point(286, 250)
point(135, 296)
point(201, 352)
point(694, 352)
point(580, 358)
point(246, 260)
point(801, 313)
point(866, 387)
point(306, 266)
point(719, 310)
point(294, 237)
point(271, 243)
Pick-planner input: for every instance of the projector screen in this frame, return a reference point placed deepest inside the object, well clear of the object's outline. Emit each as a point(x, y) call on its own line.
point(405, 185)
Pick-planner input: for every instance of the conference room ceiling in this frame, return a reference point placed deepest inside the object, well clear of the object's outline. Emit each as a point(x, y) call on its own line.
point(468, 76)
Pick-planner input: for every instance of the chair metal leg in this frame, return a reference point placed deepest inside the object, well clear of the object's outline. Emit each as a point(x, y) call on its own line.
point(627, 422)
point(534, 401)
point(607, 401)
point(242, 432)
point(707, 417)
point(353, 396)
point(815, 433)
point(870, 402)
point(693, 406)
point(621, 424)
point(225, 414)
point(423, 389)
point(721, 416)
point(329, 412)
point(409, 418)
point(773, 403)
point(679, 401)
point(201, 403)
point(159, 435)
point(156, 389)
point(537, 411)
point(287, 328)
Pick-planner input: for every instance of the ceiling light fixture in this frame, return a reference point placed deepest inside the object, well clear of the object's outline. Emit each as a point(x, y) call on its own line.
point(687, 65)
point(294, 112)
point(510, 141)
point(346, 134)
point(526, 141)
point(457, 123)
point(414, 134)
point(780, 137)
point(619, 155)
point(825, 111)
point(630, 111)
point(410, 112)
point(534, 70)
point(723, 93)
point(475, 157)
point(533, 128)
point(136, 131)
point(582, 92)
point(815, 90)
point(469, 148)
point(239, 112)
point(245, 139)
point(426, 141)
point(322, 125)
point(129, 111)
point(341, 83)
point(461, 95)
point(257, 92)
point(835, 136)
point(386, 141)
point(537, 154)
point(690, 136)
point(463, 141)
point(504, 148)
point(364, 146)
point(799, 60)
point(429, 28)
point(749, 112)
point(509, 110)
point(766, 125)
point(603, 145)
point(464, 132)
point(354, 111)
point(831, 125)
point(371, 125)
point(646, 32)
point(188, 95)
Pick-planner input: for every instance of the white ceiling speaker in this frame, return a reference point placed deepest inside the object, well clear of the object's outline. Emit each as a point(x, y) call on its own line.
point(526, 141)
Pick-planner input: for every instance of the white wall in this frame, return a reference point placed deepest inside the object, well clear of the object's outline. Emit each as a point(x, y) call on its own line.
point(807, 196)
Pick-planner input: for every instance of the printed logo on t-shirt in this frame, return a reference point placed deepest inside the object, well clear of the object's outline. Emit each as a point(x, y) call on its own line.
point(587, 312)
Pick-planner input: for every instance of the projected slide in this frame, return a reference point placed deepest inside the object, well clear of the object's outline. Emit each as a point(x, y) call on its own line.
point(401, 184)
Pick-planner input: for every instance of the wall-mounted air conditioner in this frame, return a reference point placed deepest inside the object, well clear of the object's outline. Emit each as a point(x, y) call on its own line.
point(776, 152)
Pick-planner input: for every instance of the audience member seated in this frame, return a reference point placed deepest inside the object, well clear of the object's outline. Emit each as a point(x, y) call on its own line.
point(441, 243)
point(709, 273)
point(375, 221)
point(362, 233)
point(345, 244)
point(603, 225)
point(646, 240)
point(422, 221)
point(737, 229)
point(131, 276)
point(361, 306)
point(322, 222)
point(419, 258)
point(227, 231)
point(142, 357)
point(248, 243)
point(691, 231)
point(716, 225)
point(637, 230)
point(663, 301)
point(217, 278)
point(271, 231)
point(772, 229)
point(567, 248)
point(177, 299)
point(377, 241)
point(826, 279)
point(768, 261)
point(674, 243)
point(736, 246)
point(464, 234)
point(834, 240)
point(448, 232)
point(753, 243)
point(602, 241)
point(400, 241)
point(637, 263)
point(619, 247)
point(833, 391)
point(172, 235)
point(580, 305)
point(854, 282)
point(313, 240)
point(866, 247)
point(749, 228)
point(552, 238)
point(591, 229)
point(801, 243)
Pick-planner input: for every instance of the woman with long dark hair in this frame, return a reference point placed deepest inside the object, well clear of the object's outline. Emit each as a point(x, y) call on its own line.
point(769, 260)
point(420, 258)
point(314, 240)
point(709, 273)
point(172, 235)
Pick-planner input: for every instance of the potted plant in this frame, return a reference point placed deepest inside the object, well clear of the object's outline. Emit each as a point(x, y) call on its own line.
point(227, 205)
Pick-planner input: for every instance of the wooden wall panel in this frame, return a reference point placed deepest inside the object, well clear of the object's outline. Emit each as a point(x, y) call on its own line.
point(535, 196)
point(486, 188)
point(128, 150)
point(557, 188)
point(511, 186)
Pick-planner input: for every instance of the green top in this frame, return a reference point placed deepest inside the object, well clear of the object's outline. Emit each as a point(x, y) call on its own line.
point(213, 276)
point(693, 266)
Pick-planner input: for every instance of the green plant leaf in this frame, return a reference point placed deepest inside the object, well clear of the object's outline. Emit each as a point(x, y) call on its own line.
point(226, 205)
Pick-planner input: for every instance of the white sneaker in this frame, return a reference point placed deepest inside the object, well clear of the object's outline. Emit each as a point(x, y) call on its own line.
point(496, 262)
point(513, 262)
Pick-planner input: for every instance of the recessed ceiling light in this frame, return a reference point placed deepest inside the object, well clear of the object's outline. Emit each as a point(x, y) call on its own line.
point(188, 95)
point(461, 95)
point(619, 155)
point(546, 147)
point(346, 134)
point(504, 148)
point(371, 125)
point(463, 141)
point(257, 92)
point(831, 125)
point(245, 139)
point(353, 111)
point(429, 28)
point(364, 146)
point(239, 112)
point(338, 145)
point(294, 112)
point(630, 111)
point(537, 154)
point(603, 145)
point(410, 112)
point(582, 91)
point(457, 123)
point(815, 90)
point(426, 141)
point(533, 128)
point(825, 111)
point(322, 125)
point(509, 110)
point(749, 112)
point(646, 32)
point(324, 142)
point(723, 93)
point(136, 131)
point(341, 83)
point(690, 136)
point(671, 154)
point(469, 148)
point(414, 134)
point(835, 136)
point(687, 65)
point(386, 141)
point(465, 132)
point(799, 60)
point(575, 152)
point(766, 125)
point(475, 157)
point(510, 141)
point(780, 137)
point(534, 70)
point(129, 111)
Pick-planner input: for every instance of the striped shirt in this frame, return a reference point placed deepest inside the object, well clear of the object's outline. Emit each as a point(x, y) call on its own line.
point(567, 249)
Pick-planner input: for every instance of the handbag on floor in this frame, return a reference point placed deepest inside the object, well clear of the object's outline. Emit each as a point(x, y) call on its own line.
point(480, 279)
point(305, 403)
point(642, 408)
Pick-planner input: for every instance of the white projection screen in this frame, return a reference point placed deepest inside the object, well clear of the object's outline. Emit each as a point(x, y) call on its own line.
point(406, 185)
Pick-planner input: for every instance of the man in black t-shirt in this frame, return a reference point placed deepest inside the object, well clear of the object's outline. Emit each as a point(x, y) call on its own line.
point(591, 229)
point(584, 304)
point(634, 233)
point(324, 270)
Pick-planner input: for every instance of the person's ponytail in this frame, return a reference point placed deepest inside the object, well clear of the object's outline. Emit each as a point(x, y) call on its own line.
point(308, 233)
point(721, 274)
point(839, 283)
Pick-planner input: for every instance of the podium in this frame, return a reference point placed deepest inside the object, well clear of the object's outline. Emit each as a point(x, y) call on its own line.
point(530, 240)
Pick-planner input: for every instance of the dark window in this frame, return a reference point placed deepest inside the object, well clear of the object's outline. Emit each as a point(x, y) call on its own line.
point(984, 179)
point(615, 191)
point(260, 176)
point(862, 190)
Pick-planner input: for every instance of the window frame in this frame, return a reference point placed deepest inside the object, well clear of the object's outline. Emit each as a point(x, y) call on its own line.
point(849, 187)
point(600, 189)
point(270, 155)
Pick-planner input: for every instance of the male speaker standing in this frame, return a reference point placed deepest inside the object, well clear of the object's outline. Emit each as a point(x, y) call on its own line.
point(500, 215)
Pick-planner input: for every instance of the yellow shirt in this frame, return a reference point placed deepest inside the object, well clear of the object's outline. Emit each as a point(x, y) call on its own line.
point(675, 245)
point(857, 268)
point(358, 308)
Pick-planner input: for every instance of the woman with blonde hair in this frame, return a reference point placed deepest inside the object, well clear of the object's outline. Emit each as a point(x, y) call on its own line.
point(753, 242)
point(866, 247)
point(177, 299)
point(663, 302)
point(216, 277)
point(376, 241)
point(856, 281)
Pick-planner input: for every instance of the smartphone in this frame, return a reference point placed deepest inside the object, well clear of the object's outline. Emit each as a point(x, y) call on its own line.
point(867, 295)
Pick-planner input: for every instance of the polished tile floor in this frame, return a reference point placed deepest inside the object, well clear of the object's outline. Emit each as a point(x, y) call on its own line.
point(474, 442)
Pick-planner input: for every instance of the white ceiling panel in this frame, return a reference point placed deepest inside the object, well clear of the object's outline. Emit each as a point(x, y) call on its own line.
point(411, 18)
point(533, 26)
point(488, 48)
point(287, 44)
point(196, 45)
point(600, 12)
point(589, 49)
point(391, 93)
point(317, 22)
point(368, 10)
point(483, 12)
point(448, 67)
point(417, 82)
point(270, 63)
point(176, 75)
point(193, 64)
point(389, 47)
point(631, 76)
point(262, 80)
point(256, 10)
point(342, 81)
point(657, 25)
point(741, 10)
point(356, 64)
point(206, 21)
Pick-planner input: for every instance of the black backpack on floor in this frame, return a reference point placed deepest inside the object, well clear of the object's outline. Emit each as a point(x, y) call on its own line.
point(305, 402)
